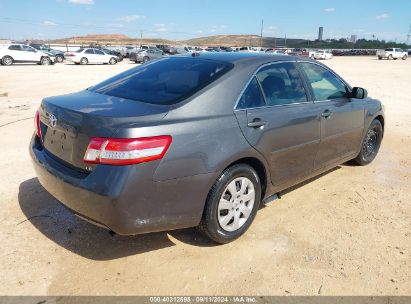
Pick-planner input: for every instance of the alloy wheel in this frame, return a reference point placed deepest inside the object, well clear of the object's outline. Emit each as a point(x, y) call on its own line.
point(370, 143)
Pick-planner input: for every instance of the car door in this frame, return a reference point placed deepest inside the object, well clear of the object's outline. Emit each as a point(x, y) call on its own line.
point(89, 54)
point(100, 56)
point(30, 53)
point(280, 121)
point(16, 52)
point(341, 117)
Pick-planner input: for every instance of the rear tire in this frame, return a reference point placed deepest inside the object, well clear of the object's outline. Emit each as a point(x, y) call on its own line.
point(146, 59)
point(370, 144)
point(404, 57)
point(84, 61)
point(379, 58)
point(7, 60)
point(112, 60)
point(389, 57)
point(232, 204)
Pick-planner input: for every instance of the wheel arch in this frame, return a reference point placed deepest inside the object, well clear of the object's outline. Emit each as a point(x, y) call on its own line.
point(258, 166)
point(380, 118)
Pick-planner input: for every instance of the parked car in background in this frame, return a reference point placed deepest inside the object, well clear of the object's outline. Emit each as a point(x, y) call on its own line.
point(307, 53)
point(22, 53)
point(44, 48)
point(90, 55)
point(141, 153)
point(392, 53)
point(146, 55)
point(129, 50)
point(276, 52)
point(114, 53)
point(323, 54)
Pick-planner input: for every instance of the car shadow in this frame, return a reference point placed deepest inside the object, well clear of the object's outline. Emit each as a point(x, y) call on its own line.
point(61, 226)
point(64, 228)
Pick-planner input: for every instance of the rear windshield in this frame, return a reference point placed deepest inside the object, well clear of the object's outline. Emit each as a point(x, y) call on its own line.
point(163, 82)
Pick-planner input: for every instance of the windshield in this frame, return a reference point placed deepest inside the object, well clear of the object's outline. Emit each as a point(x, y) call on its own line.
point(163, 82)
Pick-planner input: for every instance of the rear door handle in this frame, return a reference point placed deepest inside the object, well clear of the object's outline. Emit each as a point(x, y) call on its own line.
point(327, 114)
point(256, 123)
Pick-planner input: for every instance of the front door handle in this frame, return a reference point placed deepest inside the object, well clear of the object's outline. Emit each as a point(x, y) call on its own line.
point(326, 114)
point(256, 123)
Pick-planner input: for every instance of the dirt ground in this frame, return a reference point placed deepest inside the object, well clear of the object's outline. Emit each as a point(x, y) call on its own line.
point(347, 232)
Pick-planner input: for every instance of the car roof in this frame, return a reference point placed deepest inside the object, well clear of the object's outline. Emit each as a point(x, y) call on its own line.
point(234, 58)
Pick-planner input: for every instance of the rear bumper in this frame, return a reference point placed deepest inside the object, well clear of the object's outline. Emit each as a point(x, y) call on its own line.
point(125, 199)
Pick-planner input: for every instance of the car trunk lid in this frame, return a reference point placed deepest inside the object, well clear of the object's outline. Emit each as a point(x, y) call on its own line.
point(68, 122)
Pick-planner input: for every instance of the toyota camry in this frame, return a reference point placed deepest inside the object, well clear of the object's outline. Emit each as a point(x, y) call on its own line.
point(200, 140)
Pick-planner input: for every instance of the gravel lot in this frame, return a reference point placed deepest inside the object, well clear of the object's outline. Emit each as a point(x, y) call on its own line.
point(347, 232)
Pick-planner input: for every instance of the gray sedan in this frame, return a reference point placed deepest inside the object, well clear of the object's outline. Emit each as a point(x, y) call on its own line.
point(146, 55)
point(200, 140)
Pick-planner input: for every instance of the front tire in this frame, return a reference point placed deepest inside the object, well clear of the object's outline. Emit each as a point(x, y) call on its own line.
point(112, 61)
point(232, 204)
point(45, 61)
point(59, 58)
point(7, 60)
point(390, 57)
point(371, 143)
point(404, 57)
point(146, 59)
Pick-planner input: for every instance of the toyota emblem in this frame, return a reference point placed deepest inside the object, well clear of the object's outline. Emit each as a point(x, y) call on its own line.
point(52, 120)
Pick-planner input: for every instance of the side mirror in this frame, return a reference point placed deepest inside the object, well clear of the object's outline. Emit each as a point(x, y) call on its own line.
point(359, 93)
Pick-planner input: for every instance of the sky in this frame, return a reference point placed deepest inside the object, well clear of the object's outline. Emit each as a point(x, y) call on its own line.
point(184, 19)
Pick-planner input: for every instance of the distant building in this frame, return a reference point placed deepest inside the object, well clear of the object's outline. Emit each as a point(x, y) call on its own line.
point(353, 39)
point(320, 33)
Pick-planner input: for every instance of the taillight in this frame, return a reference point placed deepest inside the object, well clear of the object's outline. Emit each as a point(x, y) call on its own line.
point(126, 151)
point(37, 124)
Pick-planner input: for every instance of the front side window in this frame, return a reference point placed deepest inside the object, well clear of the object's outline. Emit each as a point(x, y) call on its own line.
point(28, 48)
point(282, 84)
point(164, 82)
point(89, 51)
point(252, 96)
point(325, 85)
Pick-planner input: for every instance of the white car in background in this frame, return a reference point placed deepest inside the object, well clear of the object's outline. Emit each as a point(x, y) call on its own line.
point(276, 52)
point(392, 53)
point(21, 53)
point(90, 55)
point(322, 54)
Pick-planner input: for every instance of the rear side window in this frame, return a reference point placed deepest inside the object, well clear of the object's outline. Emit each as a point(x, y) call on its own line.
point(252, 96)
point(325, 85)
point(15, 47)
point(282, 84)
point(164, 82)
point(89, 51)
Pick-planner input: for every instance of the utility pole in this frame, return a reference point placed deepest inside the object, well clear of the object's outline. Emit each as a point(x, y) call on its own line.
point(409, 36)
point(285, 40)
point(141, 37)
point(261, 35)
